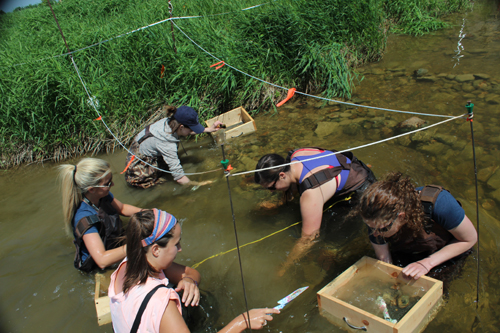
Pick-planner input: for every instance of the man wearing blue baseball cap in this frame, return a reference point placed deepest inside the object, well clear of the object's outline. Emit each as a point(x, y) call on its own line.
point(160, 140)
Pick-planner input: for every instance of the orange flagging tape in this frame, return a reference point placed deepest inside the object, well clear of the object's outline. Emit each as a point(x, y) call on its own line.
point(220, 62)
point(290, 94)
point(98, 118)
point(128, 165)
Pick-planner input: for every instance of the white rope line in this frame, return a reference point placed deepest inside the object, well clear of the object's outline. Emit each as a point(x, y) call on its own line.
point(91, 100)
point(130, 32)
point(298, 92)
point(347, 150)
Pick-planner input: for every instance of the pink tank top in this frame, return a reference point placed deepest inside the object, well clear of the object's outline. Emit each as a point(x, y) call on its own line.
point(124, 307)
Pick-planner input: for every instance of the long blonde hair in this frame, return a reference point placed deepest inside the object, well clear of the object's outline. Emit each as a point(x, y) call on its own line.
point(76, 181)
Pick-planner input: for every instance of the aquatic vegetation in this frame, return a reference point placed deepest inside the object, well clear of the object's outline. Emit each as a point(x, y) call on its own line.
point(311, 45)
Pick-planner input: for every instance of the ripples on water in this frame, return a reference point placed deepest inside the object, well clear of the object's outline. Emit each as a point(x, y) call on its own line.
point(42, 291)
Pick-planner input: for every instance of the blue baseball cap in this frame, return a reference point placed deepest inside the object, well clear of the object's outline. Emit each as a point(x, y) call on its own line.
point(188, 117)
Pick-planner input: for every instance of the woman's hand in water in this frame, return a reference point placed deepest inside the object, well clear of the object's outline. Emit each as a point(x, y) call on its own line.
point(195, 183)
point(191, 292)
point(416, 270)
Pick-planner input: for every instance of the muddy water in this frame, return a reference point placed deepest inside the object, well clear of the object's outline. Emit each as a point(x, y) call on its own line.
point(42, 291)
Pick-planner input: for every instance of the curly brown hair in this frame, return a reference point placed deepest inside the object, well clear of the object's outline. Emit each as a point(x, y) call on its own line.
point(385, 199)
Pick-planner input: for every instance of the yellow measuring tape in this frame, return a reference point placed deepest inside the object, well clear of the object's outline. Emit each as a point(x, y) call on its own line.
point(272, 234)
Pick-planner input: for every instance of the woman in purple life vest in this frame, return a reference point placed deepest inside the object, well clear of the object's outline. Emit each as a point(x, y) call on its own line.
point(318, 175)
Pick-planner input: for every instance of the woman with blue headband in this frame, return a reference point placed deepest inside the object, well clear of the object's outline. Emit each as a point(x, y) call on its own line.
point(140, 298)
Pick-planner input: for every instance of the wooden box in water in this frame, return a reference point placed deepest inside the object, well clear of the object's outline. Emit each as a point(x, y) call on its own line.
point(351, 318)
point(101, 298)
point(238, 122)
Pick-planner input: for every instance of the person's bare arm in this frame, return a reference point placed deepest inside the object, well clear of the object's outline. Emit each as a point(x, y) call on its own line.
point(382, 252)
point(102, 257)
point(311, 208)
point(465, 235)
point(124, 209)
point(186, 279)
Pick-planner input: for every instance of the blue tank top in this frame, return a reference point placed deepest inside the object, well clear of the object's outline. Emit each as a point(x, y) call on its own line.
point(331, 161)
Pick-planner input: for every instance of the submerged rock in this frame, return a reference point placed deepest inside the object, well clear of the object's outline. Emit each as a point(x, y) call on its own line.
point(326, 128)
point(421, 72)
point(492, 99)
point(412, 123)
point(488, 204)
point(377, 71)
point(485, 173)
point(352, 129)
point(427, 79)
point(482, 76)
point(478, 51)
point(494, 180)
point(464, 77)
point(434, 148)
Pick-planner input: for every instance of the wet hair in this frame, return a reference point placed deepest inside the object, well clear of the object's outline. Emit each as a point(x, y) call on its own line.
point(76, 181)
point(267, 161)
point(141, 226)
point(385, 199)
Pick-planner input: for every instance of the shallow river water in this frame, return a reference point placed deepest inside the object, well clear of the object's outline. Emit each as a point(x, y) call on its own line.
point(41, 291)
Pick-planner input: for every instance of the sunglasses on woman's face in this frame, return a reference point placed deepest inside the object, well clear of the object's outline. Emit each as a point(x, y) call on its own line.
point(108, 185)
point(383, 229)
point(273, 187)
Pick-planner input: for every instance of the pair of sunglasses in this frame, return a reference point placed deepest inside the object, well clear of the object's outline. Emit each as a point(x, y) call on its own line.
point(273, 187)
point(383, 229)
point(108, 185)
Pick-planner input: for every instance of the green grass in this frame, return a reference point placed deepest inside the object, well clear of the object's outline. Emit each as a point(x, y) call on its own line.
point(311, 45)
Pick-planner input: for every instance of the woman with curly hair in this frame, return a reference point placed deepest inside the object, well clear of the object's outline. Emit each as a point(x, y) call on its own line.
point(394, 213)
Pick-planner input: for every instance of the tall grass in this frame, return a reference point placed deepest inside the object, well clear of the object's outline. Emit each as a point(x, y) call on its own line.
point(311, 45)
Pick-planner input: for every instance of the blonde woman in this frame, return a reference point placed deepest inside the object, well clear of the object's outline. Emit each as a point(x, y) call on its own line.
point(92, 213)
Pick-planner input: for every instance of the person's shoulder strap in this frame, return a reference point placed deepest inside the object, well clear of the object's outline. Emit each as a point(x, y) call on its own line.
point(137, 320)
point(428, 197)
point(147, 134)
point(85, 223)
point(319, 178)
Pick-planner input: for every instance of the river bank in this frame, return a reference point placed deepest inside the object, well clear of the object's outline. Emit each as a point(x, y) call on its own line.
point(127, 70)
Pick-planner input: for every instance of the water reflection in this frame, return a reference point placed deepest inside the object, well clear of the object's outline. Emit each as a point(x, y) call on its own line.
point(41, 290)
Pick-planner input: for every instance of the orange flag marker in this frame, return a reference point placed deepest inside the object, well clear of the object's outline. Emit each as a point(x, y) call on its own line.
point(220, 62)
point(98, 118)
point(128, 165)
point(290, 94)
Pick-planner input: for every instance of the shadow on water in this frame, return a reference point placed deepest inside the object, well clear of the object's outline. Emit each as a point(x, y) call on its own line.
point(42, 291)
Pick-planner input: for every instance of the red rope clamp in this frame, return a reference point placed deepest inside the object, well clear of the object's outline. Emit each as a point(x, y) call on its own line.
point(469, 117)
